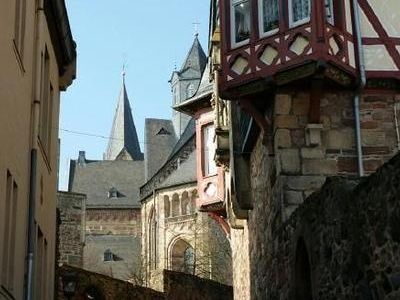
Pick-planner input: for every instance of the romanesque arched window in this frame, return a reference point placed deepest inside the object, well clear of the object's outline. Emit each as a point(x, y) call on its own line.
point(193, 199)
point(182, 257)
point(303, 285)
point(167, 207)
point(185, 201)
point(152, 239)
point(175, 205)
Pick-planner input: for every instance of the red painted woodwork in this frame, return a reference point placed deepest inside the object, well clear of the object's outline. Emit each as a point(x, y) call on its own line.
point(318, 32)
point(206, 202)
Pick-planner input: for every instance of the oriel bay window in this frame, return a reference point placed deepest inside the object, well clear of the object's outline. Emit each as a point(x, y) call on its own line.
point(240, 22)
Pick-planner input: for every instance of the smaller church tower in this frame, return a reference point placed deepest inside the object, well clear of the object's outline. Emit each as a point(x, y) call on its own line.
point(184, 83)
point(124, 142)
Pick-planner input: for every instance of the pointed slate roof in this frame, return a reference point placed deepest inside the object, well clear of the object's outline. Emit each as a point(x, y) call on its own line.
point(196, 60)
point(124, 142)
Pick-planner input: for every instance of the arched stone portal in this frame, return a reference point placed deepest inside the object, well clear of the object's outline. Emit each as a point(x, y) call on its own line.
point(182, 257)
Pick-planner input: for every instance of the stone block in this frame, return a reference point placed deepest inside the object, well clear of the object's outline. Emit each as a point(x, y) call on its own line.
point(319, 167)
point(282, 138)
point(313, 135)
point(347, 165)
point(293, 197)
point(312, 153)
point(283, 104)
point(372, 138)
point(339, 139)
point(290, 161)
point(301, 105)
point(298, 137)
point(286, 121)
point(304, 182)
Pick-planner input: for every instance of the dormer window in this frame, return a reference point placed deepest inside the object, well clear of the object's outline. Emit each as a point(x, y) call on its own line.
point(240, 26)
point(108, 255)
point(269, 17)
point(114, 193)
point(299, 12)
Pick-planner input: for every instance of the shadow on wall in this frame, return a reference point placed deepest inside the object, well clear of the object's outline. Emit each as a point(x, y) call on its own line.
point(79, 284)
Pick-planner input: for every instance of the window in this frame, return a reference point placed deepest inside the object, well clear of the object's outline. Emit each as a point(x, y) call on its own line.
point(209, 166)
point(46, 109)
point(19, 26)
point(153, 239)
point(240, 22)
point(190, 90)
point(41, 266)
point(175, 205)
point(114, 193)
point(182, 257)
point(167, 207)
point(185, 204)
point(9, 233)
point(108, 255)
point(269, 17)
point(299, 12)
point(329, 13)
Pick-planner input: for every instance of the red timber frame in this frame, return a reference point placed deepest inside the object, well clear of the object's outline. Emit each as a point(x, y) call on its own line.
point(390, 43)
point(208, 203)
point(318, 32)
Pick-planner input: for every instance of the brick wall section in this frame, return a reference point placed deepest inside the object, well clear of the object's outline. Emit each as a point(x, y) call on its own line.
point(351, 231)
point(71, 208)
point(115, 221)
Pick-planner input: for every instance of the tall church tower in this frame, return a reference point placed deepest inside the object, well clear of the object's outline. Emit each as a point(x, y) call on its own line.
point(185, 82)
point(124, 142)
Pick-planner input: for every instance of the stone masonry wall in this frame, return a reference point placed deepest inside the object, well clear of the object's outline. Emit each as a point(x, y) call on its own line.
point(304, 155)
point(307, 153)
point(351, 233)
point(71, 208)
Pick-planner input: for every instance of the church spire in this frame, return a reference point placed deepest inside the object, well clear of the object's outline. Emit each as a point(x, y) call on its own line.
point(124, 142)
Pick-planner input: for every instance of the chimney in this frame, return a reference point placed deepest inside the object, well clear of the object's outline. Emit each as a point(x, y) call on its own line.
point(82, 158)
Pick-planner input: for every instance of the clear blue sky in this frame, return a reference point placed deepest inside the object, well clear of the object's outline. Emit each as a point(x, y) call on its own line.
point(150, 36)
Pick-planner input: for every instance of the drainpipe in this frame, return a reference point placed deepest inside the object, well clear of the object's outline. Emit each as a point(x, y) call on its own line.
point(216, 95)
point(361, 63)
point(30, 263)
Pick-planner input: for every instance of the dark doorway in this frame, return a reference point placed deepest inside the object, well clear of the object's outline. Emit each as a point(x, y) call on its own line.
point(302, 283)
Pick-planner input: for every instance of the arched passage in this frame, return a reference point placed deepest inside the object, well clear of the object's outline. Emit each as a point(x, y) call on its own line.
point(182, 257)
point(303, 285)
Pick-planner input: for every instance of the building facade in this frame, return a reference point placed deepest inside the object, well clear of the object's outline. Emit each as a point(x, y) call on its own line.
point(113, 226)
point(175, 234)
point(309, 90)
point(37, 58)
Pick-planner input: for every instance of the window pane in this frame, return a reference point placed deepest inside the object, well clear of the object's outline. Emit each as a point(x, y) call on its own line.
point(210, 167)
point(300, 10)
point(329, 11)
point(270, 15)
point(242, 21)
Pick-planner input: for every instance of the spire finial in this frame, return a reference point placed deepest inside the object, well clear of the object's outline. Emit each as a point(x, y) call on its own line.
point(196, 28)
point(123, 73)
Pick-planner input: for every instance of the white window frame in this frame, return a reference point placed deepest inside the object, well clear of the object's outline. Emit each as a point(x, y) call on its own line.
point(261, 21)
point(233, 23)
point(299, 22)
